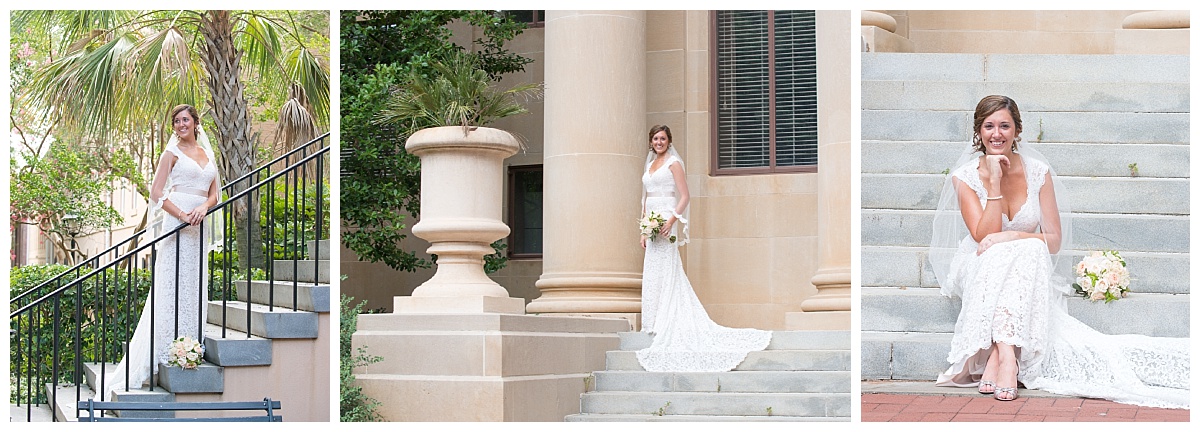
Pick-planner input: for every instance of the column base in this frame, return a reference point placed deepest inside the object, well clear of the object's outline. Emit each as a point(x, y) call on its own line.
point(458, 305)
point(823, 320)
point(481, 367)
point(634, 319)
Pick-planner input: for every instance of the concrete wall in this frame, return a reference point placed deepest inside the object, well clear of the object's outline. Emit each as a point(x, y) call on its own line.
point(1010, 32)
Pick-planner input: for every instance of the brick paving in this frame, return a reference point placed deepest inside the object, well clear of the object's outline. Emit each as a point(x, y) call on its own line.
point(883, 407)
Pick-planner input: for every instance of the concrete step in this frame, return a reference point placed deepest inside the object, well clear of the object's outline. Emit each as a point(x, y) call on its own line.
point(780, 340)
point(311, 297)
point(1113, 96)
point(229, 347)
point(925, 310)
point(1119, 68)
point(736, 381)
point(280, 323)
point(725, 404)
point(695, 418)
point(207, 378)
point(1068, 159)
point(32, 413)
point(320, 247)
point(1039, 126)
point(903, 266)
point(1122, 195)
point(302, 270)
point(68, 398)
point(1132, 233)
point(905, 356)
point(776, 360)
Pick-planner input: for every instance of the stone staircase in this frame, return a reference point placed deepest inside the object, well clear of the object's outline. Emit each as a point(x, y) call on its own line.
point(1092, 115)
point(801, 376)
point(241, 368)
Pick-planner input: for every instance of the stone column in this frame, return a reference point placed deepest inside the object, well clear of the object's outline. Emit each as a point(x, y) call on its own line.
point(1154, 32)
point(595, 147)
point(829, 309)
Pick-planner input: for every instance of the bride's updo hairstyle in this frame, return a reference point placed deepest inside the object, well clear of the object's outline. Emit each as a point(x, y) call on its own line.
point(989, 105)
point(192, 112)
point(656, 129)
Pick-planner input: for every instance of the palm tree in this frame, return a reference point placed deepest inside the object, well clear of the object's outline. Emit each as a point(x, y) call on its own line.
point(118, 72)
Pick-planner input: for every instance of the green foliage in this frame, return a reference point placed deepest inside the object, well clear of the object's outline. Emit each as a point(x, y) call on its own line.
point(65, 184)
point(293, 224)
point(380, 182)
point(355, 406)
point(459, 93)
point(104, 299)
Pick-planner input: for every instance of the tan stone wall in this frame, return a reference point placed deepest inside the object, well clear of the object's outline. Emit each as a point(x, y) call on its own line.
point(1010, 32)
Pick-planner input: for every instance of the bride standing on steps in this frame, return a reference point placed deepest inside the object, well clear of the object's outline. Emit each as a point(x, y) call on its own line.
point(185, 186)
point(999, 228)
point(685, 339)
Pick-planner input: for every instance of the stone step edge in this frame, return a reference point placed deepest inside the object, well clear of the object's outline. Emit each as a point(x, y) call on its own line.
point(695, 418)
point(1096, 215)
point(1142, 179)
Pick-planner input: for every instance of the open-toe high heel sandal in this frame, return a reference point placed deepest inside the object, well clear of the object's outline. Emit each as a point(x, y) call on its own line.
point(990, 386)
point(1007, 393)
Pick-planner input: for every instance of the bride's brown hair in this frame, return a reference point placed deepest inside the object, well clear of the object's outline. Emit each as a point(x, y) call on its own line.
point(192, 112)
point(989, 105)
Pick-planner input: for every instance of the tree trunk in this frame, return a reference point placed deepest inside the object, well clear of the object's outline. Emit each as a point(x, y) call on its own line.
point(232, 117)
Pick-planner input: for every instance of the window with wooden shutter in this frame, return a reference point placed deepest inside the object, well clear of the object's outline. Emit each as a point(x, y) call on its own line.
point(764, 91)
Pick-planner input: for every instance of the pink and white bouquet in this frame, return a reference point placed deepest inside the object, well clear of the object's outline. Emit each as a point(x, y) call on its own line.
point(185, 352)
point(652, 224)
point(1102, 276)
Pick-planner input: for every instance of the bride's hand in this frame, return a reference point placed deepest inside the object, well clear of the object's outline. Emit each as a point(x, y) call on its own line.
point(996, 238)
point(993, 166)
point(666, 228)
point(643, 242)
point(197, 214)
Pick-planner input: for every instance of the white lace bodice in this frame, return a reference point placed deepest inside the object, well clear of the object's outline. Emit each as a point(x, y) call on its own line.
point(187, 172)
point(1028, 216)
point(660, 182)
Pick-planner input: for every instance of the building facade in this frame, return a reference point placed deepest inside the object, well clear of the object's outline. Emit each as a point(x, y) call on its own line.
point(770, 207)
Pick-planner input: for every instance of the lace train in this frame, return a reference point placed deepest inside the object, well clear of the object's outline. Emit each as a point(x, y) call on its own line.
point(685, 339)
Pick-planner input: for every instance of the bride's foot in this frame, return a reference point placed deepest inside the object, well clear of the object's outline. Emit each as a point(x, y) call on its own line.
point(987, 383)
point(1006, 381)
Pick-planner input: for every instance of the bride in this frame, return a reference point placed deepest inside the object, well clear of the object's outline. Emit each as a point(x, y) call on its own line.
point(185, 186)
point(998, 231)
point(685, 339)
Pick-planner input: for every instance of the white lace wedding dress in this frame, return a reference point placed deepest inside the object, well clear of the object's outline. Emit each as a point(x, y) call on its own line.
point(1007, 297)
point(188, 185)
point(685, 339)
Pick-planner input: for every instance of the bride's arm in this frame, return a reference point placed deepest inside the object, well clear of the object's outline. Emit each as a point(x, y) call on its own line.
point(197, 214)
point(681, 190)
point(980, 220)
point(165, 163)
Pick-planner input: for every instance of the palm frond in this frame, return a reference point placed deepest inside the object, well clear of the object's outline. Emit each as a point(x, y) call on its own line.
point(459, 93)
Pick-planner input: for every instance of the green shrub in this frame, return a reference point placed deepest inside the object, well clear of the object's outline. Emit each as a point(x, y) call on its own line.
point(104, 300)
point(355, 406)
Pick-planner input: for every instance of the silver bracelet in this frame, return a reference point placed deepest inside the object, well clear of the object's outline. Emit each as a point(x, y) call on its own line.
point(995, 197)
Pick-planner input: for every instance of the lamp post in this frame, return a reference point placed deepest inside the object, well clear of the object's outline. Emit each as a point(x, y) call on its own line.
point(73, 225)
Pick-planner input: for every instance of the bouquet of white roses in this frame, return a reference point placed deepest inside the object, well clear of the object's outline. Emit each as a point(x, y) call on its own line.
point(1102, 276)
point(185, 352)
point(652, 224)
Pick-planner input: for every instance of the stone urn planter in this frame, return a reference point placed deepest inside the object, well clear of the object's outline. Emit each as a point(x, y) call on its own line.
point(462, 180)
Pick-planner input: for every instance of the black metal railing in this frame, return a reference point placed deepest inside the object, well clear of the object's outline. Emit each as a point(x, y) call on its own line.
point(55, 331)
